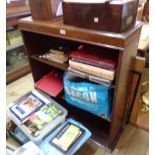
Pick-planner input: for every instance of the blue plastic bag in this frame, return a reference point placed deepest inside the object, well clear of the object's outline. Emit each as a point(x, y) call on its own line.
point(91, 97)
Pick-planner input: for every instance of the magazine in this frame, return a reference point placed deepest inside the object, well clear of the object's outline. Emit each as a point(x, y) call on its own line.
point(68, 136)
point(44, 116)
point(26, 105)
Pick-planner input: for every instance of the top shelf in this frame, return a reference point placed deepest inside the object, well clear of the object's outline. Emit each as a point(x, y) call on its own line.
point(100, 38)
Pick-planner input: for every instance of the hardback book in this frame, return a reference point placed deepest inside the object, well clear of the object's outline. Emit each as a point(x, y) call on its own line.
point(92, 70)
point(92, 78)
point(26, 105)
point(104, 58)
point(52, 83)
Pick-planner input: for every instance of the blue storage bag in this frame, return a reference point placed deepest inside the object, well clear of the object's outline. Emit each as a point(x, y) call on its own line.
point(91, 97)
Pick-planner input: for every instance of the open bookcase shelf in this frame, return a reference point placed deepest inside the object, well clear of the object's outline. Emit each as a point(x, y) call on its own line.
point(40, 36)
point(63, 66)
point(98, 126)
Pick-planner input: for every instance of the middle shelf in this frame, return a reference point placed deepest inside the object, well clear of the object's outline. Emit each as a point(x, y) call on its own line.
point(50, 62)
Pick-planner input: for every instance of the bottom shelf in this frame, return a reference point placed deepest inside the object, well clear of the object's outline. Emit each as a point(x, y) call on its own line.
point(98, 127)
point(13, 75)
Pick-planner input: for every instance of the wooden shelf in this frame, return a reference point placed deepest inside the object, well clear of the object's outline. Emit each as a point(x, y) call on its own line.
point(98, 126)
point(11, 47)
point(60, 30)
point(50, 62)
point(14, 13)
point(13, 75)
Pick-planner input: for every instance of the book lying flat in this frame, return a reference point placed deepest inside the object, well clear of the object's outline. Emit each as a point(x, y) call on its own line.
point(44, 115)
point(55, 55)
point(52, 83)
point(92, 78)
point(67, 137)
point(26, 105)
point(96, 71)
point(96, 57)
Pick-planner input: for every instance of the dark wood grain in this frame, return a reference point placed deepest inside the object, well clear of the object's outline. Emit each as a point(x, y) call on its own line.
point(115, 17)
point(14, 13)
point(39, 36)
point(99, 38)
point(63, 66)
point(121, 89)
point(44, 9)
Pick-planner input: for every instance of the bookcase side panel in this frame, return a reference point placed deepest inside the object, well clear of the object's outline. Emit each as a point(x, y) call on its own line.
point(121, 90)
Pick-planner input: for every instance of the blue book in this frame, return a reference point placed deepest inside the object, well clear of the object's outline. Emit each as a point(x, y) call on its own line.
point(26, 105)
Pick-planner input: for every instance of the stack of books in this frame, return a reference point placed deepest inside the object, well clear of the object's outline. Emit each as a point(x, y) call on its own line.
point(58, 53)
point(55, 55)
point(98, 65)
point(34, 111)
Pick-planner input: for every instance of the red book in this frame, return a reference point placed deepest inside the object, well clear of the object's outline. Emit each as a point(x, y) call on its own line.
point(103, 58)
point(51, 83)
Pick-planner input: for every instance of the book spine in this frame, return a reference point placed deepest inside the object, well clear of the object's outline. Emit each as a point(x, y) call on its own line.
point(100, 72)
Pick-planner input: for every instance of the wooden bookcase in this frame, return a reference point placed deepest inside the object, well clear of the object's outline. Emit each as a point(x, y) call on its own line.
point(39, 36)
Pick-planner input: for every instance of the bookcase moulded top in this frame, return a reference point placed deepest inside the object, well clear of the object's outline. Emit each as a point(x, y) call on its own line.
point(100, 38)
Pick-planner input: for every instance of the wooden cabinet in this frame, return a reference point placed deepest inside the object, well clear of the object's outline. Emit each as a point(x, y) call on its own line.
point(40, 36)
point(15, 11)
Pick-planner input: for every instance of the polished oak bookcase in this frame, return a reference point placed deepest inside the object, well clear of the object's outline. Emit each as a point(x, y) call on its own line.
point(39, 36)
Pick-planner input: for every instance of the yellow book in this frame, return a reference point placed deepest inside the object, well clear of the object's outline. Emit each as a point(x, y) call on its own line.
point(68, 137)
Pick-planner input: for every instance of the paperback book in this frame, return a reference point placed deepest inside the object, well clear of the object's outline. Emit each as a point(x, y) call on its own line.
point(67, 137)
point(45, 115)
point(26, 105)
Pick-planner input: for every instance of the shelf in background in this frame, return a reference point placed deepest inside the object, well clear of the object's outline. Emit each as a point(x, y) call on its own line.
point(13, 14)
point(13, 75)
point(50, 62)
point(11, 47)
